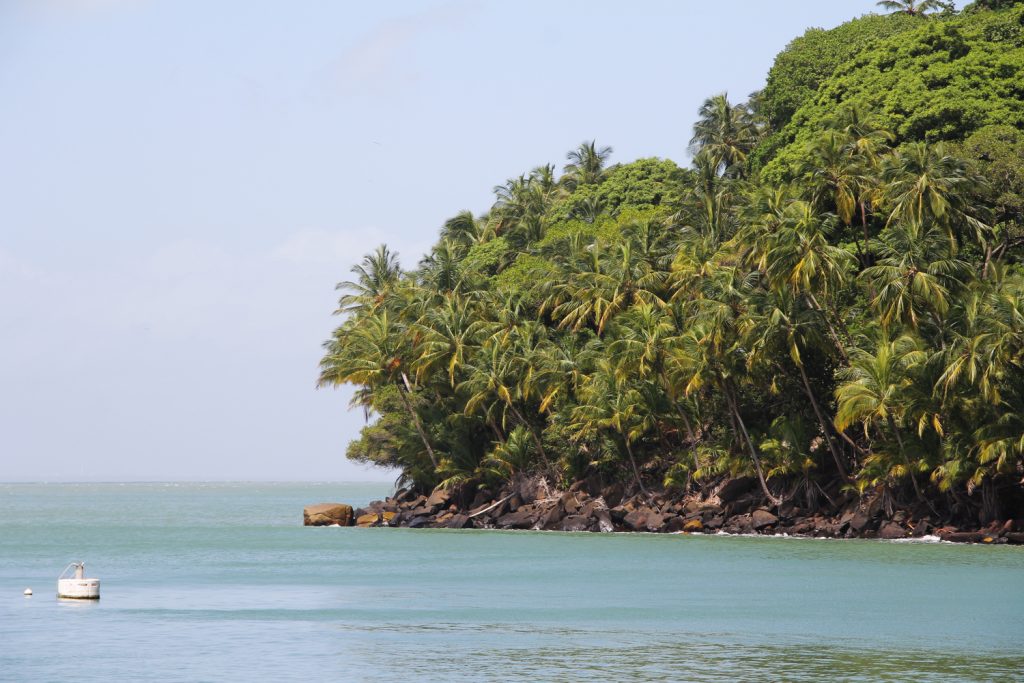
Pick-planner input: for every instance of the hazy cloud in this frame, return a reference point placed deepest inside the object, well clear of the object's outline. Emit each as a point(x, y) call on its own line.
point(385, 57)
point(345, 247)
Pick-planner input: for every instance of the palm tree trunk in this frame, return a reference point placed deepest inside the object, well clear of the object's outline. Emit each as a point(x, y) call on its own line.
point(691, 436)
point(533, 433)
point(906, 461)
point(636, 470)
point(494, 428)
point(864, 224)
point(824, 423)
point(831, 330)
point(731, 399)
point(989, 500)
point(416, 419)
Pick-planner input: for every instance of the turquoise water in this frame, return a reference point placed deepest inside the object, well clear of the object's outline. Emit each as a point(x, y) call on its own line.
point(215, 582)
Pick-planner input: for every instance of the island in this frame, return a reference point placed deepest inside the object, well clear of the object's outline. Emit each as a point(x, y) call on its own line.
point(814, 328)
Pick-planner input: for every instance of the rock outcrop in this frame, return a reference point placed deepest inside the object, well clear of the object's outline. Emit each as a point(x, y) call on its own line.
point(327, 514)
point(735, 506)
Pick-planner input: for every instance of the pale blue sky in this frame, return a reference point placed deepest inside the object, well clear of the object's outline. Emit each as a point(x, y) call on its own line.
point(184, 182)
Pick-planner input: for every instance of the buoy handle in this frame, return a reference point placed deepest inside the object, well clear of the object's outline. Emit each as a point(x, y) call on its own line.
point(79, 570)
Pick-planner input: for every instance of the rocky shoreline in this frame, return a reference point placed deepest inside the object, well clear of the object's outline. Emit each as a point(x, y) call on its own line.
point(735, 506)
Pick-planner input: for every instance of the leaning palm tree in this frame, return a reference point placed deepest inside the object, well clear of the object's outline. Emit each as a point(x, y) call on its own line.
point(917, 8)
point(370, 352)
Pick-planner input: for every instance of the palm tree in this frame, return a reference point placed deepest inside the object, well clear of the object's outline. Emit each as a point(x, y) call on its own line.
point(441, 269)
point(916, 274)
point(448, 336)
point(503, 378)
point(842, 170)
point(777, 324)
point(709, 353)
point(613, 408)
point(874, 391)
point(378, 273)
point(586, 164)
point(925, 184)
point(372, 351)
point(464, 229)
point(912, 7)
point(643, 350)
point(724, 134)
point(789, 243)
point(609, 283)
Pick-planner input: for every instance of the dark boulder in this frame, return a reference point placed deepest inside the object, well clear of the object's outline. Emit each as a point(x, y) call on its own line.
point(416, 502)
point(745, 503)
point(674, 524)
point(403, 496)
point(592, 485)
point(656, 522)
point(891, 530)
point(732, 489)
point(460, 521)
point(801, 527)
point(637, 519)
point(551, 519)
point(577, 523)
point(569, 503)
point(861, 521)
point(740, 524)
point(419, 522)
point(482, 499)
point(612, 494)
point(438, 499)
point(761, 519)
point(592, 506)
point(523, 518)
point(713, 523)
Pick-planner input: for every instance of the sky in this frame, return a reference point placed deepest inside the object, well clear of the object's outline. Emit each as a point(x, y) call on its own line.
point(183, 182)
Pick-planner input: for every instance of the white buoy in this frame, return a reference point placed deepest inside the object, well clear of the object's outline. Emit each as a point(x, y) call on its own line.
point(28, 591)
point(77, 587)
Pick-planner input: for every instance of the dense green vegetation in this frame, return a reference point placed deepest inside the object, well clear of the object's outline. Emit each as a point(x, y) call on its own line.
point(943, 79)
point(854, 319)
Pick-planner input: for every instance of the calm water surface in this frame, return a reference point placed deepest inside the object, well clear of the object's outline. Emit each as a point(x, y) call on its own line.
point(216, 582)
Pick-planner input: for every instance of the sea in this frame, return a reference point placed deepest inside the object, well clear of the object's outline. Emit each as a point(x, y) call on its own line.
point(221, 582)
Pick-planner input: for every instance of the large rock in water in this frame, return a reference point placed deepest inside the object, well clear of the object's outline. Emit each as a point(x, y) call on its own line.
point(325, 514)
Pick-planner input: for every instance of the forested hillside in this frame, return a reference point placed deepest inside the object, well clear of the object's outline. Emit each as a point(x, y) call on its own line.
point(829, 299)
